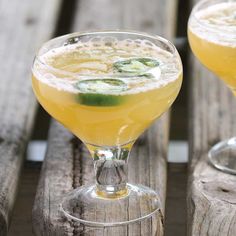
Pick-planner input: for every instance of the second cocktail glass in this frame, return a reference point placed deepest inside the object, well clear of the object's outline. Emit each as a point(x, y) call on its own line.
point(107, 88)
point(212, 37)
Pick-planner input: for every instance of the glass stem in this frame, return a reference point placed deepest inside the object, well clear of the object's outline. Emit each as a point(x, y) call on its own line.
point(111, 166)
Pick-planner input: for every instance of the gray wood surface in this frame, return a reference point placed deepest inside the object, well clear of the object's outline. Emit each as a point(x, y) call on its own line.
point(22, 30)
point(21, 222)
point(66, 165)
point(211, 193)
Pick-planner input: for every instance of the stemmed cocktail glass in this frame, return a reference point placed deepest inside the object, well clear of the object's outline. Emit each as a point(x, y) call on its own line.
point(212, 36)
point(107, 88)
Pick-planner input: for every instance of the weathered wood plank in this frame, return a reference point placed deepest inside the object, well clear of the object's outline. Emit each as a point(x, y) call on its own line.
point(66, 165)
point(23, 28)
point(21, 224)
point(211, 193)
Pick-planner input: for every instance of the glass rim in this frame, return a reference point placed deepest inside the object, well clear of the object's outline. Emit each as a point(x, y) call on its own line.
point(196, 9)
point(95, 32)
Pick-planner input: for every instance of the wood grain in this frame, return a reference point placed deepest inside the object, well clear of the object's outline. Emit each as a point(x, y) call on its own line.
point(66, 165)
point(22, 30)
point(211, 193)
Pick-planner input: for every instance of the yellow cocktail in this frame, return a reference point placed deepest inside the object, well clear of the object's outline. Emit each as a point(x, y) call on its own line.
point(140, 98)
point(107, 88)
point(212, 37)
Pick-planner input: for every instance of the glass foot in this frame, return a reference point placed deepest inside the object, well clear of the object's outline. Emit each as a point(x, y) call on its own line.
point(87, 207)
point(223, 156)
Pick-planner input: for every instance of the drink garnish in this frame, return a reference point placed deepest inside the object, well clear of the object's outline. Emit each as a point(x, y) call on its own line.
point(101, 92)
point(136, 65)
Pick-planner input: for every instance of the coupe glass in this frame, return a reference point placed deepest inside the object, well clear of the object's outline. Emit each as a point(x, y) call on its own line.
point(212, 37)
point(108, 111)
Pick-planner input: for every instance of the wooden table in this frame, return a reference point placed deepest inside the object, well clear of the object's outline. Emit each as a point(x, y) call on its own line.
point(211, 197)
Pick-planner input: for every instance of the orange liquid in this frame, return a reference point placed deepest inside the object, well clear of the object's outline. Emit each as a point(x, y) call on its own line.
point(108, 126)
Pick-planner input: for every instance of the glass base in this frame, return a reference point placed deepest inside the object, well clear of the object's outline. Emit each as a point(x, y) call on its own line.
point(223, 156)
point(87, 207)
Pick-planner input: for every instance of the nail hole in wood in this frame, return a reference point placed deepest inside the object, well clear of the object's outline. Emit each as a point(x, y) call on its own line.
point(147, 24)
point(30, 21)
point(224, 190)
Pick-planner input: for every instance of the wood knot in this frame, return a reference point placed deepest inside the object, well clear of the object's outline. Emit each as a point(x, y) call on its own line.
point(220, 190)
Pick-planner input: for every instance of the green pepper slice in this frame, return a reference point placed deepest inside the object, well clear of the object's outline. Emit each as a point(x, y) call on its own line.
point(101, 92)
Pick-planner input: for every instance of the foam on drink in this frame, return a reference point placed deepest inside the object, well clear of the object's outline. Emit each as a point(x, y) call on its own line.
point(95, 59)
point(216, 23)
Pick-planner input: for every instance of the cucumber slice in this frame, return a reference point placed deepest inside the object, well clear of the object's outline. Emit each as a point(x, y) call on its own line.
point(136, 65)
point(101, 92)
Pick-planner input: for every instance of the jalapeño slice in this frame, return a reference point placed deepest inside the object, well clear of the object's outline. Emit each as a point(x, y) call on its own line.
point(136, 65)
point(101, 92)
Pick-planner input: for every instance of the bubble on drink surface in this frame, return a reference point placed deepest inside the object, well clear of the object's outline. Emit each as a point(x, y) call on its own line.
point(86, 66)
